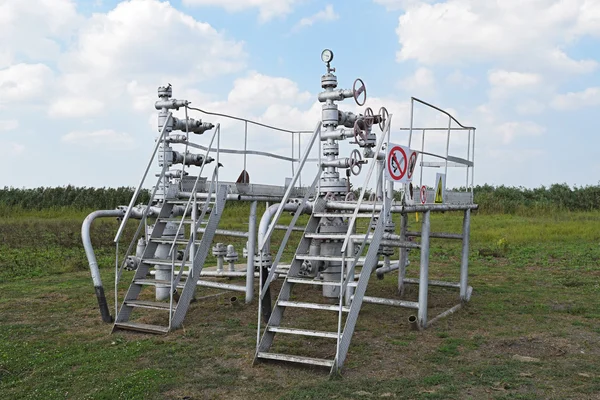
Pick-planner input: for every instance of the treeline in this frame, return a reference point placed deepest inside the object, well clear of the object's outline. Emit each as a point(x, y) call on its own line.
point(561, 197)
point(491, 199)
point(68, 197)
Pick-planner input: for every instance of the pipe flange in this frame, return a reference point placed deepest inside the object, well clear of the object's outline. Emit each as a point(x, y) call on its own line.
point(267, 261)
point(219, 250)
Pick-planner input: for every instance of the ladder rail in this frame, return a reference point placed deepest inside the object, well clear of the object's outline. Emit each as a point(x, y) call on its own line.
point(286, 196)
point(364, 187)
point(159, 140)
point(195, 188)
point(288, 233)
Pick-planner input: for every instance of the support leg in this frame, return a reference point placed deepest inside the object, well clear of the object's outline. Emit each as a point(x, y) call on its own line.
point(403, 254)
point(464, 261)
point(424, 270)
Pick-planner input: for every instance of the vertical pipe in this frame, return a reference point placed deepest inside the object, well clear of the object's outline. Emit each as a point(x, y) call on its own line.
point(218, 153)
point(403, 254)
point(251, 252)
point(194, 235)
point(447, 147)
point(299, 157)
point(468, 157)
point(422, 150)
point(350, 289)
point(412, 106)
point(473, 161)
point(424, 272)
point(379, 185)
point(245, 142)
point(292, 154)
point(464, 260)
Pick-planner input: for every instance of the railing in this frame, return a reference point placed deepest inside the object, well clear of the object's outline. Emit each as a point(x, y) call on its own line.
point(468, 162)
point(365, 184)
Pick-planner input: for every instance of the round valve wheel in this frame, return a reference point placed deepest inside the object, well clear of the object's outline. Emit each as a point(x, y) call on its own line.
point(350, 196)
point(369, 117)
point(355, 162)
point(330, 196)
point(384, 114)
point(358, 91)
point(359, 135)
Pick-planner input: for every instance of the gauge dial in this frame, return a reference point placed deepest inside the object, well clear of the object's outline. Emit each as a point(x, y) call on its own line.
point(327, 56)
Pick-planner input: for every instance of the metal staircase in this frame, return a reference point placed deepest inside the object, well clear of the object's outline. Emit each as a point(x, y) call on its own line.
point(295, 279)
point(177, 305)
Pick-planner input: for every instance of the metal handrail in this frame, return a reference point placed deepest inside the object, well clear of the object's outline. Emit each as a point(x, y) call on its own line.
point(288, 233)
point(442, 111)
point(364, 187)
point(194, 189)
point(289, 189)
point(139, 188)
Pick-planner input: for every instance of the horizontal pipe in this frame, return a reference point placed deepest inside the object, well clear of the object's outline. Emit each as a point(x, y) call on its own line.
point(224, 232)
point(438, 235)
point(219, 285)
point(391, 302)
point(445, 314)
point(338, 205)
point(235, 197)
point(93, 263)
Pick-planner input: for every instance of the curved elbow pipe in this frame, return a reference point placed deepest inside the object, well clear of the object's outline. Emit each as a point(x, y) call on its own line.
point(263, 227)
point(89, 252)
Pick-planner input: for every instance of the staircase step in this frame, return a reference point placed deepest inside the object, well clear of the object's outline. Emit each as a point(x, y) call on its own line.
point(133, 326)
point(313, 306)
point(311, 281)
point(157, 305)
point(295, 359)
point(154, 282)
point(361, 260)
point(342, 215)
point(303, 332)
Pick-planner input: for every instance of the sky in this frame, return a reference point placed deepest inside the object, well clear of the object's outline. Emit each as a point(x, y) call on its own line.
point(78, 81)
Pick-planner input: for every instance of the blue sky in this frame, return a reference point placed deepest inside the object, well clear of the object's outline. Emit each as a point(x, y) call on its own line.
point(78, 79)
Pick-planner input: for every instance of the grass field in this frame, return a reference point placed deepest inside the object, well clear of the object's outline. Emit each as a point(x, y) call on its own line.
point(536, 295)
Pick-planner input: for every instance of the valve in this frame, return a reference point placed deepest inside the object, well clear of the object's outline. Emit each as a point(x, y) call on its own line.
point(358, 91)
point(359, 135)
point(383, 117)
point(356, 161)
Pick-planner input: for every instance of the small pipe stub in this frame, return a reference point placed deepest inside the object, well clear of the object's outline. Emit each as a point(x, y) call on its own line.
point(413, 323)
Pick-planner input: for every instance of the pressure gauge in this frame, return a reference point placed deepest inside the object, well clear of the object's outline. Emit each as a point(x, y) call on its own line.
point(327, 56)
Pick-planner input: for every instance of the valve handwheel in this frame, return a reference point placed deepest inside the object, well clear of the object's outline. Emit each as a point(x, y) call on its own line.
point(384, 115)
point(358, 91)
point(355, 161)
point(369, 117)
point(359, 135)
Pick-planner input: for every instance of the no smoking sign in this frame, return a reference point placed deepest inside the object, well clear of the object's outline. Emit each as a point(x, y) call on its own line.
point(400, 162)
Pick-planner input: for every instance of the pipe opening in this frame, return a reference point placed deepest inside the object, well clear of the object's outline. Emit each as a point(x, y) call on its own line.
point(413, 323)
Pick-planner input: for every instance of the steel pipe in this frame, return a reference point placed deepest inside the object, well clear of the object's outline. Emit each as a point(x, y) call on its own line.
point(93, 263)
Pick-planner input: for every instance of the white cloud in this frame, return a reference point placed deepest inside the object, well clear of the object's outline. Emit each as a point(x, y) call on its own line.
point(33, 28)
point(509, 131)
point(8, 124)
point(103, 138)
point(75, 107)
point(148, 42)
point(458, 78)
point(327, 14)
point(530, 107)
point(268, 9)
point(461, 31)
point(512, 79)
point(422, 82)
point(23, 82)
point(590, 97)
point(258, 90)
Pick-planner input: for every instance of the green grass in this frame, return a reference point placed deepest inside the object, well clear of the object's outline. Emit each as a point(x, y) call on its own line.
point(536, 293)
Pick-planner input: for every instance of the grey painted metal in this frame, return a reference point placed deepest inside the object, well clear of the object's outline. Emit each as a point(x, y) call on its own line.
point(464, 260)
point(447, 147)
point(251, 250)
point(295, 359)
point(286, 196)
point(345, 206)
point(403, 257)
point(364, 187)
point(134, 326)
point(443, 112)
point(190, 285)
point(303, 332)
point(220, 285)
point(370, 263)
point(93, 263)
point(424, 270)
point(444, 314)
point(307, 281)
point(437, 235)
point(139, 187)
point(301, 208)
point(391, 302)
point(312, 306)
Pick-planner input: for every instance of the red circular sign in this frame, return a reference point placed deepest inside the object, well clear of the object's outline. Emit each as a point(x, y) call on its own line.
point(412, 163)
point(397, 163)
point(423, 194)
